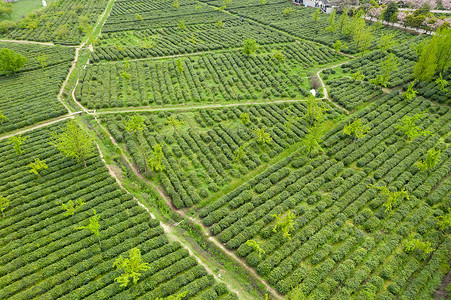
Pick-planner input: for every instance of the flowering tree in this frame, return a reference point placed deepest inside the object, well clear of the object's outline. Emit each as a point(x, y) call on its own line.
point(401, 18)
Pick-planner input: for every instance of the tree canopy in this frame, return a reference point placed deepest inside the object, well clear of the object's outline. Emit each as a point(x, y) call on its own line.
point(10, 61)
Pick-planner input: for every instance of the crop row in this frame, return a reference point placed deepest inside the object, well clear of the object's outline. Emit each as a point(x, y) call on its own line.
point(45, 256)
point(211, 78)
point(351, 93)
point(172, 40)
point(343, 237)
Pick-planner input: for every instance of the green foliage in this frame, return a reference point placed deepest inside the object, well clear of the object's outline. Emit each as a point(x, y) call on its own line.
point(93, 226)
point(285, 222)
point(356, 129)
point(315, 15)
point(256, 246)
point(386, 42)
point(6, 8)
point(37, 166)
point(219, 24)
point(17, 141)
point(135, 124)
point(410, 94)
point(155, 162)
point(126, 76)
point(4, 204)
point(175, 4)
point(139, 17)
point(392, 198)
point(332, 24)
point(444, 222)
point(240, 153)
point(339, 45)
point(315, 110)
point(426, 65)
point(442, 83)
point(178, 297)
point(42, 59)
point(358, 76)
point(249, 46)
point(72, 208)
point(74, 142)
point(181, 25)
point(387, 67)
point(409, 128)
point(62, 31)
point(179, 64)
point(174, 122)
point(261, 136)
point(2, 118)
point(288, 10)
point(10, 61)
point(313, 139)
point(131, 267)
point(390, 12)
point(413, 244)
point(278, 56)
point(245, 119)
point(431, 160)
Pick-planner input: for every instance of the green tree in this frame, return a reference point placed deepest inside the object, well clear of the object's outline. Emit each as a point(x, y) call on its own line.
point(444, 222)
point(2, 118)
point(408, 126)
point(93, 226)
point(315, 110)
point(278, 56)
point(390, 12)
point(245, 119)
point(339, 45)
point(361, 34)
point(431, 160)
point(219, 24)
point(181, 25)
point(256, 246)
point(179, 64)
point(413, 244)
point(315, 15)
point(288, 11)
point(72, 208)
point(135, 124)
point(62, 31)
point(239, 153)
point(74, 142)
point(392, 198)
point(175, 4)
point(42, 60)
point(285, 222)
point(261, 136)
point(4, 204)
point(37, 166)
point(10, 61)
point(410, 93)
point(131, 267)
point(442, 39)
point(125, 75)
point(386, 42)
point(17, 141)
point(332, 23)
point(387, 66)
point(155, 162)
point(6, 9)
point(174, 122)
point(6, 25)
point(442, 83)
point(139, 17)
point(262, 2)
point(313, 139)
point(249, 46)
point(359, 76)
point(356, 129)
point(426, 65)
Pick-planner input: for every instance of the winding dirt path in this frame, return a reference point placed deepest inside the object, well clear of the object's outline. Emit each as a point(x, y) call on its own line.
point(326, 95)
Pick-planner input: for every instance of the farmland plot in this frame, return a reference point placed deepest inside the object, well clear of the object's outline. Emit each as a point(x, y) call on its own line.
point(45, 255)
point(345, 239)
point(200, 157)
point(209, 78)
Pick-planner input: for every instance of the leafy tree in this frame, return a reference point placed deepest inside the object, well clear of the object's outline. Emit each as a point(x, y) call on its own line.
point(261, 136)
point(240, 153)
point(174, 122)
point(42, 59)
point(410, 93)
point(413, 244)
point(431, 160)
point(285, 222)
point(288, 10)
point(37, 166)
point(262, 2)
point(175, 4)
point(198, 7)
point(343, 21)
point(315, 15)
point(442, 83)
point(10, 61)
point(245, 119)
point(361, 34)
point(313, 139)
point(356, 129)
point(130, 267)
point(249, 46)
point(315, 110)
point(442, 39)
point(444, 222)
point(409, 128)
point(135, 124)
point(6, 9)
point(181, 25)
point(386, 42)
point(155, 162)
point(358, 76)
point(62, 31)
point(139, 17)
point(17, 141)
point(74, 142)
point(278, 56)
point(2, 118)
point(332, 24)
point(289, 124)
point(387, 66)
point(390, 12)
point(392, 197)
point(93, 226)
point(426, 65)
point(256, 246)
point(72, 208)
point(4, 204)
point(6, 25)
point(125, 75)
point(219, 24)
point(179, 64)
point(339, 45)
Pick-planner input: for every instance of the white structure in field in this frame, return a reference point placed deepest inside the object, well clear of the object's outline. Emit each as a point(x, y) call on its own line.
point(324, 5)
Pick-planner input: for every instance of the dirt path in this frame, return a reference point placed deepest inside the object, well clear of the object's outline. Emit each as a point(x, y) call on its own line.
point(33, 42)
point(326, 95)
